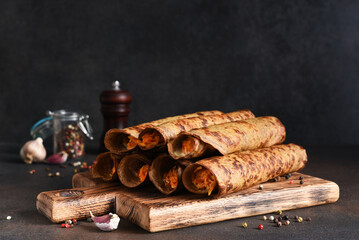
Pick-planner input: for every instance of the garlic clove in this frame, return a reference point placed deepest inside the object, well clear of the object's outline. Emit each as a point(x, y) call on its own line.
point(57, 158)
point(33, 151)
point(108, 222)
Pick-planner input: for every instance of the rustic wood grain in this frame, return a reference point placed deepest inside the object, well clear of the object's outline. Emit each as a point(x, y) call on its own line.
point(83, 179)
point(153, 211)
point(76, 203)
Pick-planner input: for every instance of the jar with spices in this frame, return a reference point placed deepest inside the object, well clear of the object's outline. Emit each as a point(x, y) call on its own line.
point(68, 130)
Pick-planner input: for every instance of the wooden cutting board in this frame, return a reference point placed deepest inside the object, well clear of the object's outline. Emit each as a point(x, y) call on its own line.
point(153, 211)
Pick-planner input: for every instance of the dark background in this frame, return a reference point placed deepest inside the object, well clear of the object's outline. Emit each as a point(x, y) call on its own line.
point(297, 60)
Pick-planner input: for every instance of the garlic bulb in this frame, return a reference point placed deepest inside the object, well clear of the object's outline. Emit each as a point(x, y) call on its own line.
point(108, 222)
point(33, 151)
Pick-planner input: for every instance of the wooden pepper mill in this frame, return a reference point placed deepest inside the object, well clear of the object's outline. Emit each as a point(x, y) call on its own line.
point(115, 107)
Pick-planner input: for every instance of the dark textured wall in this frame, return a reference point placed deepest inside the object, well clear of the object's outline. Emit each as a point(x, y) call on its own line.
point(297, 60)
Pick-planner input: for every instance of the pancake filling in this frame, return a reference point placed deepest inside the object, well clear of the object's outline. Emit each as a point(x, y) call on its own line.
point(142, 173)
point(150, 140)
point(203, 179)
point(170, 178)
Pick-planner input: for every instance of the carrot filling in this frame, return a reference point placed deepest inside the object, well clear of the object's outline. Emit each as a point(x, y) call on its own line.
point(131, 142)
point(188, 145)
point(203, 179)
point(170, 178)
point(150, 139)
point(142, 173)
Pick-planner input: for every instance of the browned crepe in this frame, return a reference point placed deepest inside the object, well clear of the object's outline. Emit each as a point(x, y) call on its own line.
point(242, 170)
point(116, 140)
point(130, 165)
point(229, 137)
point(105, 166)
point(161, 165)
point(170, 130)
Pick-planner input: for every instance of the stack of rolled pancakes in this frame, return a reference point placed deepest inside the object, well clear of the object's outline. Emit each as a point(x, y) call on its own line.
point(207, 152)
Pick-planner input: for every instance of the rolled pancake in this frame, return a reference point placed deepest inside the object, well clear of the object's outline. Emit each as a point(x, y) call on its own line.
point(105, 166)
point(241, 170)
point(166, 173)
point(123, 140)
point(153, 137)
point(228, 138)
point(133, 168)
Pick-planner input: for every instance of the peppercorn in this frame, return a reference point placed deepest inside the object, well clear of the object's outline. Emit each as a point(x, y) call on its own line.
point(8, 218)
point(49, 174)
point(74, 221)
point(57, 174)
point(260, 187)
point(274, 179)
point(276, 220)
point(67, 225)
point(69, 222)
point(300, 178)
point(279, 212)
point(296, 217)
point(260, 227)
point(264, 218)
point(76, 164)
point(308, 219)
point(290, 182)
point(271, 218)
point(279, 218)
point(285, 217)
point(301, 182)
point(300, 219)
point(47, 169)
point(244, 225)
point(63, 225)
point(287, 222)
point(279, 224)
point(287, 176)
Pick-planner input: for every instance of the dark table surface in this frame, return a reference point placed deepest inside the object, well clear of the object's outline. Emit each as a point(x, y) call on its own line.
point(19, 189)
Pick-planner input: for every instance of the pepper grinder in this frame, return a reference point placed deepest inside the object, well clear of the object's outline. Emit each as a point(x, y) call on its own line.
point(115, 107)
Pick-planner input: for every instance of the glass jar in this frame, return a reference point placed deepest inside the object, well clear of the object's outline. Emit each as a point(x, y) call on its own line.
point(68, 130)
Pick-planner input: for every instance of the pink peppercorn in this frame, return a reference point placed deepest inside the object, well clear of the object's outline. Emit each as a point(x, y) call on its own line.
point(260, 227)
point(63, 225)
